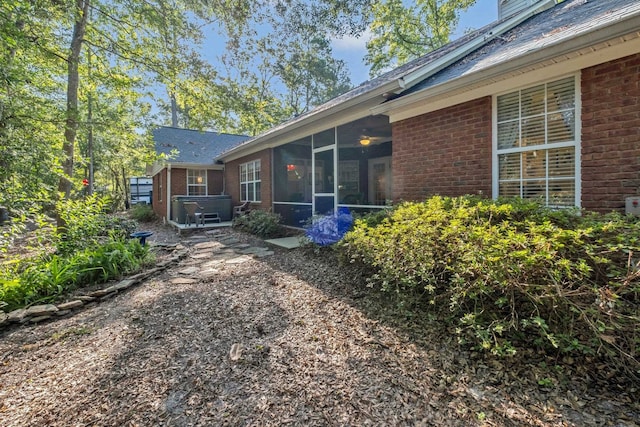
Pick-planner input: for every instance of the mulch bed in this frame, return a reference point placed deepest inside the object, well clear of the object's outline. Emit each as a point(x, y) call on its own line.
point(290, 339)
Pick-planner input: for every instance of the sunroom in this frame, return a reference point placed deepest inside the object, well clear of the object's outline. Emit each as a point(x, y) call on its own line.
point(347, 166)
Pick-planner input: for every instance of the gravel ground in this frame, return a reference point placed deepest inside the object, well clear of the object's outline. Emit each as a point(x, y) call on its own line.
point(287, 339)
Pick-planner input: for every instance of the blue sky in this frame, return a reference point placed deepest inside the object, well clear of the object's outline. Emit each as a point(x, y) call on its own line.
point(352, 50)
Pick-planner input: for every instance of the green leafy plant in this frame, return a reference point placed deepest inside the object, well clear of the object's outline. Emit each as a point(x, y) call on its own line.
point(259, 222)
point(46, 278)
point(142, 213)
point(511, 272)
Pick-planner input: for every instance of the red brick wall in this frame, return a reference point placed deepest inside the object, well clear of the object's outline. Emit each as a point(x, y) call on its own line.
point(446, 152)
point(178, 182)
point(610, 134)
point(232, 178)
point(214, 182)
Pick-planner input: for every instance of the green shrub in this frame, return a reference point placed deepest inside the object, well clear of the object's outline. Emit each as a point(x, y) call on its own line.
point(87, 224)
point(261, 223)
point(511, 272)
point(47, 278)
point(142, 213)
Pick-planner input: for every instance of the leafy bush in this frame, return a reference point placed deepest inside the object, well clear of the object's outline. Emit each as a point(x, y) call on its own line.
point(511, 272)
point(142, 213)
point(46, 278)
point(261, 223)
point(87, 224)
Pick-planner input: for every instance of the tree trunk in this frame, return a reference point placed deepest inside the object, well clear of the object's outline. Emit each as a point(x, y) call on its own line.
point(71, 124)
point(73, 82)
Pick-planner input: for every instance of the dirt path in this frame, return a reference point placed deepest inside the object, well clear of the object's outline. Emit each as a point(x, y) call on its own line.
point(227, 338)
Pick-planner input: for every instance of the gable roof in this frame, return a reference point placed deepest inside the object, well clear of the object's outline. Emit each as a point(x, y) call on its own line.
point(530, 34)
point(568, 20)
point(376, 91)
point(565, 38)
point(192, 146)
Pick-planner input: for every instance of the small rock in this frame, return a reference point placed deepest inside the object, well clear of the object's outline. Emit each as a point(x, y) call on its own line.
point(212, 232)
point(62, 313)
point(189, 271)
point(206, 245)
point(86, 298)
point(70, 305)
point(41, 310)
point(239, 260)
point(102, 292)
point(253, 250)
point(236, 352)
point(182, 281)
point(4, 318)
point(201, 256)
point(242, 246)
point(39, 319)
point(124, 284)
point(263, 254)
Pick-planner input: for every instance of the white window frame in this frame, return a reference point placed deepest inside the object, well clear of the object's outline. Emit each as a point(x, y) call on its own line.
point(576, 143)
point(250, 175)
point(192, 176)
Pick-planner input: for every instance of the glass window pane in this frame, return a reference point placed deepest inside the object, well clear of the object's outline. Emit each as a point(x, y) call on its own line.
point(561, 95)
point(243, 173)
point(561, 127)
point(562, 162)
point(243, 192)
point(562, 193)
point(508, 135)
point(257, 195)
point(534, 190)
point(509, 189)
point(257, 170)
point(509, 165)
point(533, 101)
point(534, 164)
point(509, 106)
point(533, 131)
point(250, 172)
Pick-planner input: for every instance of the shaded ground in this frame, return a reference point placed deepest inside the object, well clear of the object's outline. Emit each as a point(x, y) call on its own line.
point(229, 339)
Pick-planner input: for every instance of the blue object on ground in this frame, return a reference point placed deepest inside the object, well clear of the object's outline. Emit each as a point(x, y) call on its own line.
point(142, 236)
point(331, 228)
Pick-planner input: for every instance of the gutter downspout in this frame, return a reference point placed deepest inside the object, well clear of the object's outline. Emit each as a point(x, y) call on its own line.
point(168, 192)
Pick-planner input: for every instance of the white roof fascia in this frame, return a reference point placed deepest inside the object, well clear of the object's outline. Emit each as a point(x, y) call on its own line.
point(157, 167)
point(606, 32)
point(432, 68)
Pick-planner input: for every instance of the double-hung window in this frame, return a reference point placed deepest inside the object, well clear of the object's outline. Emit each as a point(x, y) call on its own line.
point(196, 182)
point(250, 181)
point(537, 143)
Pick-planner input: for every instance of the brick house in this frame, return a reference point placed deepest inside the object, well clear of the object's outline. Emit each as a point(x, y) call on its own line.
point(543, 104)
point(187, 167)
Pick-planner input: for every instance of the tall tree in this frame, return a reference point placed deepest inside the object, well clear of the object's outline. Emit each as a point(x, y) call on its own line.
point(401, 33)
point(81, 18)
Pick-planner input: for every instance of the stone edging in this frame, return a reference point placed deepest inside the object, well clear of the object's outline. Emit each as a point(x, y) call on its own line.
point(40, 313)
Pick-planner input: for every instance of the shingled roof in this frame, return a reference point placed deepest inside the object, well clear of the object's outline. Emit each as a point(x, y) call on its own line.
point(192, 146)
point(565, 21)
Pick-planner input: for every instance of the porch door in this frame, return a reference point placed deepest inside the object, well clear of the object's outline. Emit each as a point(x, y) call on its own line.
point(324, 180)
point(379, 180)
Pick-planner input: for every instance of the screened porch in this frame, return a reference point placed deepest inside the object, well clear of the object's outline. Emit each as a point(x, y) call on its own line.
point(345, 166)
